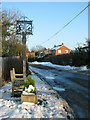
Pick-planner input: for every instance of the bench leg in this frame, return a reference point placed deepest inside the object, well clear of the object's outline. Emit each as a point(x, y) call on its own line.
point(12, 89)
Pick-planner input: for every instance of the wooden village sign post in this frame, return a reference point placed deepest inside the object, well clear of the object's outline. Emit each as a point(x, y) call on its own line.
point(24, 27)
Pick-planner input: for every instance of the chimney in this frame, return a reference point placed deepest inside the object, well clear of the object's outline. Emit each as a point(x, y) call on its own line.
point(48, 49)
point(62, 43)
point(54, 45)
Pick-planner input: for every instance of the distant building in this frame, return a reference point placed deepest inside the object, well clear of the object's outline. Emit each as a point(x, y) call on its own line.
point(59, 49)
point(31, 54)
point(47, 51)
point(42, 52)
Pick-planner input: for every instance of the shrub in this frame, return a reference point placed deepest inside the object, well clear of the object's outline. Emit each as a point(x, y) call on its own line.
point(29, 81)
point(75, 58)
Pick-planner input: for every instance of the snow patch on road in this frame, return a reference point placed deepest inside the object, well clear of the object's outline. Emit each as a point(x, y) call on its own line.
point(58, 89)
point(49, 77)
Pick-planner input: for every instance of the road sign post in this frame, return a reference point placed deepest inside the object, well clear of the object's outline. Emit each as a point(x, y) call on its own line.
point(24, 28)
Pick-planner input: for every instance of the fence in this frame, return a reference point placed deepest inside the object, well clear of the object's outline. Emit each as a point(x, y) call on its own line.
point(11, 62)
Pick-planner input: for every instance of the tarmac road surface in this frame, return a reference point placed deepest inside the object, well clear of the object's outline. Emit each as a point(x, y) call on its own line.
point(71, 86)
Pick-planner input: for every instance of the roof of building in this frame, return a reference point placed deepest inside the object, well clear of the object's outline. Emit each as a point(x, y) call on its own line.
point(56, 47)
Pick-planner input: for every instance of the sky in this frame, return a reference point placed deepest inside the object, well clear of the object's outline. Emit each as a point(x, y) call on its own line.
point(49, 17)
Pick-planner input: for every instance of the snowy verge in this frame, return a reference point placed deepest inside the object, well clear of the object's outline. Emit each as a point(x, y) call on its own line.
point(50, 104)
point(67, 67)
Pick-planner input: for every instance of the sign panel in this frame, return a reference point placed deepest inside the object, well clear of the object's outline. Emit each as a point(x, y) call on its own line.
point(24, 26)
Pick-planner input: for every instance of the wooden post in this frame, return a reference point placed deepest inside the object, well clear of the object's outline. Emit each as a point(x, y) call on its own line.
point(12, 79)
point(24, 55)
point(24, 27)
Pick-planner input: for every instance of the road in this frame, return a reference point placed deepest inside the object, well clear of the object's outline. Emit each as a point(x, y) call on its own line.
point(71, 86)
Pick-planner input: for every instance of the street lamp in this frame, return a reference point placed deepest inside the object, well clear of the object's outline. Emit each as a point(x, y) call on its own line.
point(24, 27)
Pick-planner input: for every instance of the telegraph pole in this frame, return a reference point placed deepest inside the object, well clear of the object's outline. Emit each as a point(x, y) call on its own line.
point(24, 27)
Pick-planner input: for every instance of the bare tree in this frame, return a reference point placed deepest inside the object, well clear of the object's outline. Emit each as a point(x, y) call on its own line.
point(37, 48)
point(9, 39)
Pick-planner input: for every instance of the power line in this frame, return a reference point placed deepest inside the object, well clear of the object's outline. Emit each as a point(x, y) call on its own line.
point(67, 24)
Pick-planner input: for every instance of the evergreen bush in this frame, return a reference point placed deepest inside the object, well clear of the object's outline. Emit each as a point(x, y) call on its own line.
point(29, 81)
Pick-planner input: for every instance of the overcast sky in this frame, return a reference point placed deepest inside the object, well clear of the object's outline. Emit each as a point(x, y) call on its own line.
point(49, 17)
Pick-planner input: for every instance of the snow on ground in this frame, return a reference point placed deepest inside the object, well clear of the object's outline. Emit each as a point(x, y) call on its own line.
point(51, 104)
point(67, 67)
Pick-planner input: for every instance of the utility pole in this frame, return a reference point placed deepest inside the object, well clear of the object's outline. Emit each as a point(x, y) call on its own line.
point(24, 27)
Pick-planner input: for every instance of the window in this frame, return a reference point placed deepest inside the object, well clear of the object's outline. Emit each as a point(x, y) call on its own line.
point(59, 51)
point(66, 51)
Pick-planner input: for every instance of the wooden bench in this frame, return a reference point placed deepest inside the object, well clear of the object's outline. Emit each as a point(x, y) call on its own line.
point(17, 82)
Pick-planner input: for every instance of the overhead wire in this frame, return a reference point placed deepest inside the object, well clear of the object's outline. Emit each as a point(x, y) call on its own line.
point(66, 24)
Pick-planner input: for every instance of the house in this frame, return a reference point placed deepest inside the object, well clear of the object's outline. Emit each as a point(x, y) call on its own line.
point(60, 49)
point(47, 51)
point(43, 52)
point(31, 54)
